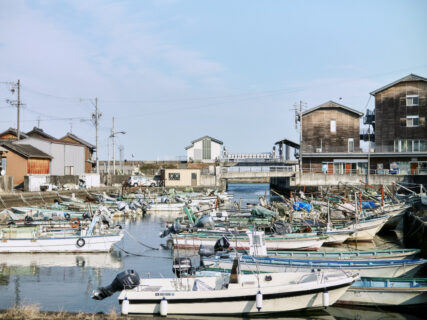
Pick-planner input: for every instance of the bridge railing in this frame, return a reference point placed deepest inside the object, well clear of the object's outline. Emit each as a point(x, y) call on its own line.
point(258, 169)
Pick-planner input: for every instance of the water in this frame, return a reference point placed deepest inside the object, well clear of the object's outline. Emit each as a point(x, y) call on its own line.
point(64, 282)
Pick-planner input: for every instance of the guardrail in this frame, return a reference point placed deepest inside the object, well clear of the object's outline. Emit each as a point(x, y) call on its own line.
point(418, 171)
point(258, 169)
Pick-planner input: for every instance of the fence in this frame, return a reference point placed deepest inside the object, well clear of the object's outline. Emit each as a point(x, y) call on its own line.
point(258, 169)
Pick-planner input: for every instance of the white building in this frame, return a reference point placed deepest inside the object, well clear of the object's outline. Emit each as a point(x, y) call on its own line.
point(68, 158)
point(204, 149)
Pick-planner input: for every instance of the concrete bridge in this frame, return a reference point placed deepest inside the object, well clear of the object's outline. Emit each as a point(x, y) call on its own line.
point(256, 172)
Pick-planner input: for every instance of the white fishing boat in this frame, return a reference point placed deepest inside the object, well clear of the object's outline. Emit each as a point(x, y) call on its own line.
point(242, 241)
point(386, 292)
point(165, 208)
point(365, 230)
point(233, 294)
point(40, 239)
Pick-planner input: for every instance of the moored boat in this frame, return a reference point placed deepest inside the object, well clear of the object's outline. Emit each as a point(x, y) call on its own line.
point(386, 292)
point(231, 294)
point(365, 268)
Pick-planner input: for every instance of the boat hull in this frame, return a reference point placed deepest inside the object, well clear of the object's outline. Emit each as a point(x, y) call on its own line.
point(101, 243)
point(236, 299)
point(243, 244)
point(392, 269)
point(366, 230)
point(384, 296)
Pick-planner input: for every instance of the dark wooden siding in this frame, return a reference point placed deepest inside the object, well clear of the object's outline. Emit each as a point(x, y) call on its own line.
point(316, 130)
point(391, 112)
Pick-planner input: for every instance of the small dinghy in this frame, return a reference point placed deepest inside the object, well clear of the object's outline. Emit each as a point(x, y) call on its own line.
point(232, 294)
point(386, 292)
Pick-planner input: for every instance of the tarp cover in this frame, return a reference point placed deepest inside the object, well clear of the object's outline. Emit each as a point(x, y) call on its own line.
point(368, 205)
point(261, 212)
point(298, 206)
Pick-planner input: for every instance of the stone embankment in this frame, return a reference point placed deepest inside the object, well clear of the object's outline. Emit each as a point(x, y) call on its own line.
point(26, 199)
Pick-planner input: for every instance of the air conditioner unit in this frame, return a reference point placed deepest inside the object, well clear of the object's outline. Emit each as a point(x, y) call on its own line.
point(318, 149)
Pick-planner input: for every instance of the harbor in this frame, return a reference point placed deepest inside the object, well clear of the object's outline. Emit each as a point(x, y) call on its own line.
point(170, 159)
point(143, 250)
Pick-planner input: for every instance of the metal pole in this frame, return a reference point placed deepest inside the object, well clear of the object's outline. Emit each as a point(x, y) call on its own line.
point(300, 141)
point(114, 148)
point(96, 128)
point(108, 155)
point(18, 134)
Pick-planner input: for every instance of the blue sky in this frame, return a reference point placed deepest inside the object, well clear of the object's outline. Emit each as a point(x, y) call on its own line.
point(171, 71)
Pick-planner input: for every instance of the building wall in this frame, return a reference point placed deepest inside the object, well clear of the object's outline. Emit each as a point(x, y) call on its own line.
point(63, 155)
point(196, 151)
point(184, 177)
point(16, 166)
point(316, 130)
point(88, 154)
point(38, 166)
point(391, 110)
point(8, 136)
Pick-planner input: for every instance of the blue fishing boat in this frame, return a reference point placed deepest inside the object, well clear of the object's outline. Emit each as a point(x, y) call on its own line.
point(365, 268)
point(386, 292)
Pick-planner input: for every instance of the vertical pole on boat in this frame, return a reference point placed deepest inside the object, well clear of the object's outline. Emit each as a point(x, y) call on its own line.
point(382, 196)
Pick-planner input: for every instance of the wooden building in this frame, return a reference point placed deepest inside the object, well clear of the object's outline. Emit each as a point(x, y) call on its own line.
point(331, 140)
point(22, 159)
point(89, 150)
point(11, 134)
point(399, 124)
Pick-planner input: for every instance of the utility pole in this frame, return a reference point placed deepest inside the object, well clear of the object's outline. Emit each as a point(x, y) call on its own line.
point(108, 155)
point(114, 148)
point(95, 117)
point(18, 134)
point(113, 136)
point(300, 140)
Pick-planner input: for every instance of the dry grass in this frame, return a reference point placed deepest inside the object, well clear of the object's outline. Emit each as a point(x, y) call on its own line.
point(33, 312)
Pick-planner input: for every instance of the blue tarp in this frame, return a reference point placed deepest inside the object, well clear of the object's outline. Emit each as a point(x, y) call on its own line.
point(368, 205)
point(302, 206)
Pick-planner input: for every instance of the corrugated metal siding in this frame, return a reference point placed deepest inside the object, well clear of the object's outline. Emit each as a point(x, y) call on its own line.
point(63, 155)
point(38, 166)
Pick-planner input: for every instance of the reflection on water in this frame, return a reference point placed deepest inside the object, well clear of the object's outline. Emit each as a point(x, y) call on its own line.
point(65, 281)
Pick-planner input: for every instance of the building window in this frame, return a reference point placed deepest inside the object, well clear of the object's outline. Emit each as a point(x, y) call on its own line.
point(69, 170)
point(206, 149)
point(350, 145)
point(333, 125)
point(412, 100)
point(409, 145)
point(412, 121)
point(174, 176)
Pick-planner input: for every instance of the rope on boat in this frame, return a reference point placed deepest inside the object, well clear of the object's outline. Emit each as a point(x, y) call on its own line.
point(40, 194)
point(141, 243)
point(4, 204)
point(139, 254)
point(25, 201)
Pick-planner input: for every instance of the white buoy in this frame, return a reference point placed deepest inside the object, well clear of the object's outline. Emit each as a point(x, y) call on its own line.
point(125, 306)
point(164, 307)
point(259, 300)
point(326, 298)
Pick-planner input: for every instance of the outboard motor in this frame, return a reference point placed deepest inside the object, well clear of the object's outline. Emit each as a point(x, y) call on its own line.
point(205, 222)
point(222, 244)
point(122, 206)
point(128, 279)
point(182, 265)
point(174, 229)
point(206, 251)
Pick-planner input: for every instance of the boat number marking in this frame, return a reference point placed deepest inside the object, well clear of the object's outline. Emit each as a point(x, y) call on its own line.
point(166, 294)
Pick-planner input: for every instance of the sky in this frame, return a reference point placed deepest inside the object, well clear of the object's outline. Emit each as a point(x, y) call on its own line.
point(171, 71)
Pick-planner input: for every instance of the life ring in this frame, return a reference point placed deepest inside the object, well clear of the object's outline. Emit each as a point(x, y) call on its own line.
point(75, 222)
point(80, 242)
point(67, 216)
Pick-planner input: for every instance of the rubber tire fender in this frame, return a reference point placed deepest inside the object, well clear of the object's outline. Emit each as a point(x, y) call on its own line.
point(80, 242)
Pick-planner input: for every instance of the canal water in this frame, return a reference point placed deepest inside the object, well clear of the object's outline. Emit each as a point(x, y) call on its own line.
point(64, 282)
